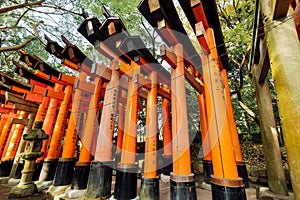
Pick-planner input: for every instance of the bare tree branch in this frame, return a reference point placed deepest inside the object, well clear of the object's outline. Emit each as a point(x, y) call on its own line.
point(241, 66)
point(24, 43)
point(56, 7)
point(5, 27)
point(244, 106)
point(21, 5)
point(235, 61)
point(249, 112)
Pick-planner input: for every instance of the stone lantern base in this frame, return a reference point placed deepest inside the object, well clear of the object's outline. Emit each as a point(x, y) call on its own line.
point(23, 190)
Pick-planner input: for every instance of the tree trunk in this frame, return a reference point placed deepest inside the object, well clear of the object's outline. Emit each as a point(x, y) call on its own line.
point(275, 172)
point(284, 51)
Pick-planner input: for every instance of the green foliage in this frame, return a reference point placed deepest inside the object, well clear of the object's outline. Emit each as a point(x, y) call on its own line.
point(236, 19)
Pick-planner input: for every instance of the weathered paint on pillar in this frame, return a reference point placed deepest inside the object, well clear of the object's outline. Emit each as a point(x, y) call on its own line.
point(150, 167)
point(284, 50)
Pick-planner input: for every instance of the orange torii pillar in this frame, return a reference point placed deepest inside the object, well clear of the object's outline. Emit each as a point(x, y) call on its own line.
point(62, 167)
point(182, 183)
point(65, 167)
point(6, 129)
point(225, 180)
point(126, 178)
point(3, 117)
point(12, 143)
point(241, 166)
point(150, 181)
point(100, 177)
point(167, 136)
point(82, 166)
point(207, 163)
point(46, 164)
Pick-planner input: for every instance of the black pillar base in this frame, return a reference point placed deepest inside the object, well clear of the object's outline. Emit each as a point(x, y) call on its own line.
point(64, 171)
point(80, 175)
point(37, 170)
point(5, 167)
point(100, 178)
point(48, 170)
point(19, 169)
point(242, 171)
point(224, 189)
point(126, 182)
point(182, 187)
point(150, 188)
point(167, 165)
point(208, 170)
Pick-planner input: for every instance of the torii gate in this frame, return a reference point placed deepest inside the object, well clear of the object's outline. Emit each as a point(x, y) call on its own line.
point(162, 14)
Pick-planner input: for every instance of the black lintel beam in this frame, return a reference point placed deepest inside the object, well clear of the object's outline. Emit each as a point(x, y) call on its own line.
point(133, 46)
point(170, 27)
point(10, 81)
point(22, 71)
point(72, 52)
point(115, 32)
point(8, 88)
point(211, 13)
point(47, 69)
point(108, 29)
point(53, 47)
point(4, 87)
point(37, 63)
point(89, 28)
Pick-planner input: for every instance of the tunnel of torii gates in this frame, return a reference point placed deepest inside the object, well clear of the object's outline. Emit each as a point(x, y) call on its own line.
point(87, 107)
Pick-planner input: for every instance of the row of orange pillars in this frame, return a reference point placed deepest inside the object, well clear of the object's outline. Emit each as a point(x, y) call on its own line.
point(80, 112)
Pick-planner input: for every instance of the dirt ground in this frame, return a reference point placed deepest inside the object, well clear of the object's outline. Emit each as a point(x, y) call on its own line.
point(4, 192)
point(164, 193)
point(252, 154)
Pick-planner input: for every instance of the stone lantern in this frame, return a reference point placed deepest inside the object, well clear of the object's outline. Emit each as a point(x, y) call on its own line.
point(34, 141)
